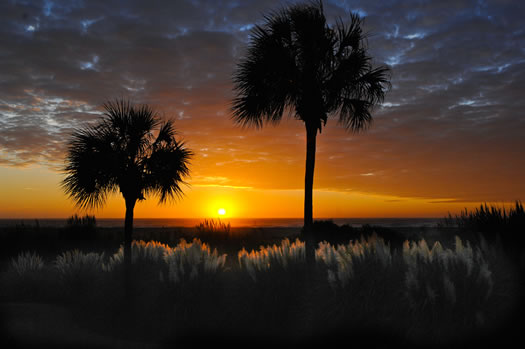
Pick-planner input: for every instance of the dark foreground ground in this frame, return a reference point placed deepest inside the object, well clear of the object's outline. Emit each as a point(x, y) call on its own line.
point(280, 313)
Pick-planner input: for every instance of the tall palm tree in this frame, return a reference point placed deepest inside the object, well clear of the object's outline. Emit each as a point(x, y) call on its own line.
point(298, 63)
point(121, 153)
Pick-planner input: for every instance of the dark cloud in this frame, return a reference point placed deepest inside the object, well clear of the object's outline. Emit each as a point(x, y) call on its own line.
point(451, 127)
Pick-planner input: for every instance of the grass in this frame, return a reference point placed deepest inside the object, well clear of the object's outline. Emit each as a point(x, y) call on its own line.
point(497, 225)
point(415, 293)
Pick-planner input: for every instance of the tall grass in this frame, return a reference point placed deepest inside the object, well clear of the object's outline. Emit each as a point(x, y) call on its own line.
point(26, 262)
point(79, 221)
point(185, 260)
point(141, 252)
point(81, 227)
point(496, 225)
point(456, 284)
point(432, 291)
point(76, 263)
point(212, 226)
point(341, 261)
point(189, 260)
point(286, 255)
point(490, 219)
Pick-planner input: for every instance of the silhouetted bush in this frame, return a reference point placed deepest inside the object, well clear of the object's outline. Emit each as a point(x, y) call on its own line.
point(212, 230)
point(82, 228)
point(495, 224)
point(327, 230)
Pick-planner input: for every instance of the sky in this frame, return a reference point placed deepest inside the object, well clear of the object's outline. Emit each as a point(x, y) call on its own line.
point(449, 135)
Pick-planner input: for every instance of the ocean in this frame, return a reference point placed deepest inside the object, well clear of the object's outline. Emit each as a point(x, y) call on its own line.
point(235, 222)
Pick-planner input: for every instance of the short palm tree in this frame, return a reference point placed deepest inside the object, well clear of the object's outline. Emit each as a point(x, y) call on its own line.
point(121, 153)
point(296, 62)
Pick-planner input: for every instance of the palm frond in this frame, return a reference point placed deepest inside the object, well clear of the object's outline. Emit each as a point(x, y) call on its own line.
point(266, 79)
point(121, 154)
point(297, 61)
point(166, 170)
point(91, 172)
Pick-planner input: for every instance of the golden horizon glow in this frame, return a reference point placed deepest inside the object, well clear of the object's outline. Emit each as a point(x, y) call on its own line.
point(25, 198)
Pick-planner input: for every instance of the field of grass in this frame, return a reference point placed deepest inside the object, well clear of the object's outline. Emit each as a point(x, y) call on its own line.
point(255, 287)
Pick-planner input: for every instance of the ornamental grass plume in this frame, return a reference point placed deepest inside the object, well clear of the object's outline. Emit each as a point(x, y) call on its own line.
point(75, 262)
point(144, 252)
point(187, 261)
point(26, 262)
point(342, 260)
point(443, 279)
point(284, 256)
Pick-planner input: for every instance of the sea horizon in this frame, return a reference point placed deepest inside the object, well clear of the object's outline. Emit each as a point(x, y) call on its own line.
point(234, 222)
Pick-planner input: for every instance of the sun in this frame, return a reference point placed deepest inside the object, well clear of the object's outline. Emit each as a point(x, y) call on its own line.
point(221, 212)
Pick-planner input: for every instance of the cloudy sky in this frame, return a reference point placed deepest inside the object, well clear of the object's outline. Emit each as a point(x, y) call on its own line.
point(452, 128)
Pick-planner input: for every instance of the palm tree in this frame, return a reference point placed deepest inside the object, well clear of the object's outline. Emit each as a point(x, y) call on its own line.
point(122, 154)
point(298, 63)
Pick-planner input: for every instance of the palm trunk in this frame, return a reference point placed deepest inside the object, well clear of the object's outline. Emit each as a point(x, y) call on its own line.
point(128, 232)
point(311, 134)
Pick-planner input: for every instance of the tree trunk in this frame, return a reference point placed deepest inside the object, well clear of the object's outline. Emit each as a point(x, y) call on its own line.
point(128, 232)
point(311, 134)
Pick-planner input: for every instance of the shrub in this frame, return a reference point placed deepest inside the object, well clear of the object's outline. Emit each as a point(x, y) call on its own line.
point(342, 260)
point(151, 252)
point(491, 221)
point(213, 226)
point(283, 257)
point(187, 261)
point(78, 272)
point(76, 263)
point(453, 285)
point(26, 262)
point(78, 227)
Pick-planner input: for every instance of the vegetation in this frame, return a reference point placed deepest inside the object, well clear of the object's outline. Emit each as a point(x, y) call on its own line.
point(297, 62)
point(213, 227)
point(121, 154)
point(27, 262)
point(494, 224)
point(78, 221)
point(78, 227)
point(417, 293)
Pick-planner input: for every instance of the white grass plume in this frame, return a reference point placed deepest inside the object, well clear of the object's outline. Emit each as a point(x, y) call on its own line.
point(283, 256)
point(26, 262)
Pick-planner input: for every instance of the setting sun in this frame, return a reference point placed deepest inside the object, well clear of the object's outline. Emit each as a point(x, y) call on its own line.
point(222, 212)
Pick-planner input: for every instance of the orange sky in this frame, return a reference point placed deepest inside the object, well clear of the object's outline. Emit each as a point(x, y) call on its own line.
point(449, 134)
point(34, 192)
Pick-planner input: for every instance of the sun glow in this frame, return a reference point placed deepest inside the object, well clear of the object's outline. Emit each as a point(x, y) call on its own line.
point(221, 212)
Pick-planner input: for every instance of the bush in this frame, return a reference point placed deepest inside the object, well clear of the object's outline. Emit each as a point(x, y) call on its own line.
point(494, 224)
point(341, 261)
point(78, 271)
point(280, 257)
point(26, 262)
point(146, 253)
point(445, 287)
point(189, 260)
point(83, 228)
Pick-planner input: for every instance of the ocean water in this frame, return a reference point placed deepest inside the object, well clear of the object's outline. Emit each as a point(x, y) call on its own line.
point(235, 222)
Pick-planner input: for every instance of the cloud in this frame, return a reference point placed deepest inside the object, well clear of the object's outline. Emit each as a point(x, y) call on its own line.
point(452, 125)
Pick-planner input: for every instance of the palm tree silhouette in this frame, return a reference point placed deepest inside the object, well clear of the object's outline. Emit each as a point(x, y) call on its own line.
point(298, 63)
point(121, 153)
